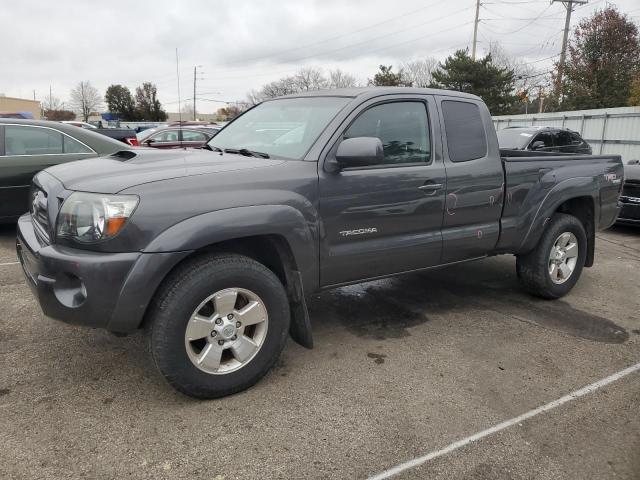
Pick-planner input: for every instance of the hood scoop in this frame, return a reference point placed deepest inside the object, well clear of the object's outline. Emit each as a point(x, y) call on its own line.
point(123, 155)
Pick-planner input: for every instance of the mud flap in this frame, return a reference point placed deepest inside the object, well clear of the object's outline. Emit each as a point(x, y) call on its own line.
point(300, 328)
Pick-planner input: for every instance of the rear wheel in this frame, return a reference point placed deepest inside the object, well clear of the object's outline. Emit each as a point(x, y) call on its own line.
point(552, 268)
point(218, 324)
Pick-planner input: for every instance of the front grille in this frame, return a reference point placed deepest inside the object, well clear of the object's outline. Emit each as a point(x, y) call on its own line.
point(39, 214)
point(631, 189)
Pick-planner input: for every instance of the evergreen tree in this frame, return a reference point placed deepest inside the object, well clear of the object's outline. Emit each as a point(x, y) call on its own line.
point(494, 84)
point(120, 102)
point(386, 78)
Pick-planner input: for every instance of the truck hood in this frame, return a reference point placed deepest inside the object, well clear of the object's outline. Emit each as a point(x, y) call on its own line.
point(116, 172)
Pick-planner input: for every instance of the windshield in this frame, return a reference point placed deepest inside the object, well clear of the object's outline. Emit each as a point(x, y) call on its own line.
point(513, 138)
point(283, 128)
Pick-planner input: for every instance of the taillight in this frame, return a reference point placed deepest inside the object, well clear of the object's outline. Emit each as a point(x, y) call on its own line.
point(133, 141)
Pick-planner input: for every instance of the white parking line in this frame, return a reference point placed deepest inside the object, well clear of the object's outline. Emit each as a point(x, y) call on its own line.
point(506, 424)
point(9, 263)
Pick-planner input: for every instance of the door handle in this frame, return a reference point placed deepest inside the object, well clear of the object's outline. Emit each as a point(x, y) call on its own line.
point(431, 187)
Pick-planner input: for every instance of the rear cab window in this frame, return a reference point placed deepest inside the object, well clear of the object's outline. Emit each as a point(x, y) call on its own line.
point(466, 137)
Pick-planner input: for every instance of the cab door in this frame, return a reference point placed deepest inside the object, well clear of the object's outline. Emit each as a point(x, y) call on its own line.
point(475, 180)
point(385, 218)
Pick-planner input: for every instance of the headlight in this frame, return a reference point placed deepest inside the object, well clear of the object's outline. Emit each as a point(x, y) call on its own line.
point(93, 217)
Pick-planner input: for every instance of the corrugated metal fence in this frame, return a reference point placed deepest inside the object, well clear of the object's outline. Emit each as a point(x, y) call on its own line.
point(608, 130)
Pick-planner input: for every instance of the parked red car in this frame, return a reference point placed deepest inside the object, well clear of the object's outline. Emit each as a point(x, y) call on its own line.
point(179, 137)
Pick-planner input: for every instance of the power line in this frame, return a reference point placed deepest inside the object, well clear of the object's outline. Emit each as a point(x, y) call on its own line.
point(364, 42)
point(330, 39)
point(526, 24)
point(357, 44)
point(541, 60)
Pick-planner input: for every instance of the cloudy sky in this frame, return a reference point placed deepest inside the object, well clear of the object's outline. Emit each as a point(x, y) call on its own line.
point(242, 44)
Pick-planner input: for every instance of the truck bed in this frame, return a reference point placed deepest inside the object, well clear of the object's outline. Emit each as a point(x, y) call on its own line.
point(535, 183)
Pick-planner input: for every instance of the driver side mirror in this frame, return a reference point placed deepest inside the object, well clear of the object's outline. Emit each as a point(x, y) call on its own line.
point(537, 145)
point(359, 152)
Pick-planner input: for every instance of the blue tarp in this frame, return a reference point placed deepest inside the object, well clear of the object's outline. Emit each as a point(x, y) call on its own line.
point(17, 115)
point(108, 116)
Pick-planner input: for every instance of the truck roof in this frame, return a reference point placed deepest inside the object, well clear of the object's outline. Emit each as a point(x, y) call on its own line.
point(366, 92)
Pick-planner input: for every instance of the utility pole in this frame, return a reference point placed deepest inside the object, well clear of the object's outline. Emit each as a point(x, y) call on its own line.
point(475, 31)
point(195, 73)
point(568, 5)
point(540, 99)
point(50, 99)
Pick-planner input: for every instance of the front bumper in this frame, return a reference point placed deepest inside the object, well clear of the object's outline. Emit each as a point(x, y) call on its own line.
point(93, 289)
point(630, 213)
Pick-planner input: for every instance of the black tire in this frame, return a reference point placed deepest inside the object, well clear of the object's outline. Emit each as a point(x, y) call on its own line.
point(533, 267)
point(179, 296)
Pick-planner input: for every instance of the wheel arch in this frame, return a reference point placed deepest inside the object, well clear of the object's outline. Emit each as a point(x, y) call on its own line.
point(575, 197)
point(277, 236)
point(274, 252)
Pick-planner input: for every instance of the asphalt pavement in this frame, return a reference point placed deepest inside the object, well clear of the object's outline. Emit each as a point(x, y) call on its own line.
point(402, 368)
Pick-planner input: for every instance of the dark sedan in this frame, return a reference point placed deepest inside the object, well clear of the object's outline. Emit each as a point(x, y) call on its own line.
point(543, 139)
point(28, 146)
point(179, 137)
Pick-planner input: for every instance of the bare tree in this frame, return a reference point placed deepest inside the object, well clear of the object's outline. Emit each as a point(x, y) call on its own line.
point(340, 79)
point(309, 79)
point(187, 111)
point(51, 103)
point(304, 80)
point(418, 72)
point(284, 86)
point(525, 75)
point(254, 97)
point(85, 99)
point(530, 86)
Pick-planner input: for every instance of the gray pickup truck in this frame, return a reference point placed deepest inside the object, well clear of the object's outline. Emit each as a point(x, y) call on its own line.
point(213, 251)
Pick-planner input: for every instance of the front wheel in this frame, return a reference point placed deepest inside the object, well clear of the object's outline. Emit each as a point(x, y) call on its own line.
point(218, 324)
point(552, 268)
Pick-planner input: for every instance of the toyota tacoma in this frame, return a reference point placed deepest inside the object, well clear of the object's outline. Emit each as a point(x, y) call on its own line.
point(212, 252)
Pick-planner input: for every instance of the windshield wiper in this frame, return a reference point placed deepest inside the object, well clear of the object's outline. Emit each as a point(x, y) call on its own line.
point(206, 146)
point(246, 152)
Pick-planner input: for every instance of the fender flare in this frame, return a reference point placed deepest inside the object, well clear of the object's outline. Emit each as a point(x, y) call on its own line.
point(209, 228)
point(559, 194)
point(241, 222)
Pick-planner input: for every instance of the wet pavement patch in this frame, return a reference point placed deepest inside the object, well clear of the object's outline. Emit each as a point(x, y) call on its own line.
point(388, 308)
point(4, 391)
point(368, 311)
point(559, 315)
point(378, 357)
